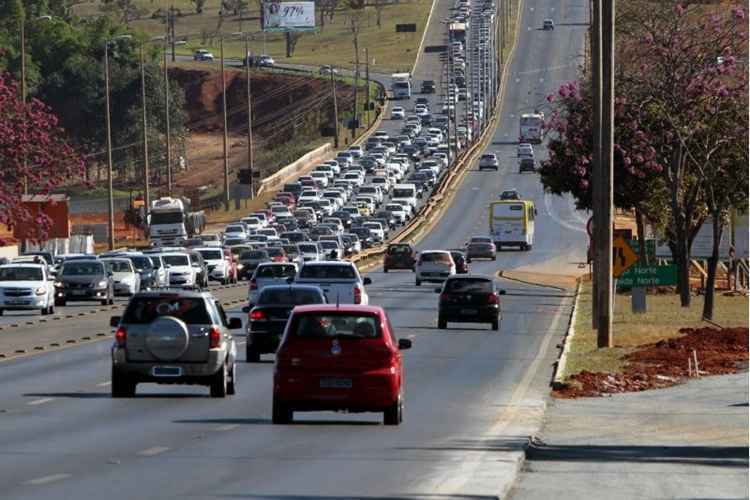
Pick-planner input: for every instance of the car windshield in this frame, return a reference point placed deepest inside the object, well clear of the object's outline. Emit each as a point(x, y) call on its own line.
point(254, 255)
point(328, 244)
point(281, 271)
point(20, 274)
point(316, 325)
point(156, 261)
point(308, 248)
point(327, 272)
point(82, 268)
point(176, 260)
point(119, 266)
point(465, 285)
point(144, 310)
point(211, 254)
point(290, 296)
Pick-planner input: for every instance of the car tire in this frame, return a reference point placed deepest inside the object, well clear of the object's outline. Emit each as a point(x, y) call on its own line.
point(251, 355)
point(385, 269)
point(1, 312)
point(528, 248)
point(104, 302)
point(219, 382)
point(232, 385)
point(394, 414)
point(496, 325)
point(122, 386)
point(418, 282)
point(281, 414)
point(442, 323)
point(111, 300)
point(60, 302)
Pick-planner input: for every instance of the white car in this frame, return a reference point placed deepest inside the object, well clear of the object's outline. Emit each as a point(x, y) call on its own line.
point(525, 150)
point(434, 265)
point(355, 151)
point(308, 252)
point(398, 113)
point(443, 157)
point(218, 266)
point(376, 229)
point(321, 178)
point(26, 287)
point(345, 159)
point(308, 196)
point(252, 223)
point(398, 212)
point(203, 55)
point(180, 273)
point(269, 274)
point(488, 160)
point(126, 279)
point(235, 231)
point(334, 165)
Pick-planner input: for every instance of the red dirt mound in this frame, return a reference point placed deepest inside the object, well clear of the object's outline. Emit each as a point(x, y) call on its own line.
point(665, 363)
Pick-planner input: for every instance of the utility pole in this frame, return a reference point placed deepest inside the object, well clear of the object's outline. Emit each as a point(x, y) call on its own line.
point(22, 29)
point(335, 110)
point(447, 87)
point(596, 82)
point(166, 119)
point(224, 117)
point(367, 76)
point(356, 84)
point(110, 196)
point(146, 180)
point(249, 119)
point(171, 30)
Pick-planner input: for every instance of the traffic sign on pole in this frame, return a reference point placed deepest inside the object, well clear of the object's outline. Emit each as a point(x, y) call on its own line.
point(622, 256)
point(645, 276)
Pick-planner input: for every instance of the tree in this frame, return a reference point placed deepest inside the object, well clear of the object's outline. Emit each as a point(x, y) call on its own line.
point(199, 4)
point(33, 150)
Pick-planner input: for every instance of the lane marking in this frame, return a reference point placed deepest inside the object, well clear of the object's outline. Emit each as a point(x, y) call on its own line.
point(150, 452)
point(227, 427)
point(47, 479)
point(104, 384)
point(40, 401)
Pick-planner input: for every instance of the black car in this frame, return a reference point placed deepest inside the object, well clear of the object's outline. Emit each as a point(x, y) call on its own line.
point(469, 298)
point(364, 235)
point(269, 316)
point(249, 260)
point(146, 269)
point(400, 256)
point(510, 194)
point(526, 165)
point(84, 280)
point(428, 87)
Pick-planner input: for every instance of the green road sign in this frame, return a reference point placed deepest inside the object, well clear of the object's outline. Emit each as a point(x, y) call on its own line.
point(650, 248)
point(648, 276)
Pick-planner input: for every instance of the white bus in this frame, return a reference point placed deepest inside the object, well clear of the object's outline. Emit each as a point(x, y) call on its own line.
point(401, 86)
point(532, 127)
point(512, 223)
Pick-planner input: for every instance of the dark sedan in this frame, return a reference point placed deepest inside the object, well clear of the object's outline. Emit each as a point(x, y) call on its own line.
point(469, 299)
point(249, 260)
point(268, 318)
point(399, 256)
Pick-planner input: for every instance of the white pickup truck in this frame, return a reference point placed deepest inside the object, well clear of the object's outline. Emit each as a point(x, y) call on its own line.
point(340, 281)
point(26, 287)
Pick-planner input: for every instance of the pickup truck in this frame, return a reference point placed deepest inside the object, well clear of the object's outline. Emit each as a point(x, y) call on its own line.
point(26, 286)
point(340, 281)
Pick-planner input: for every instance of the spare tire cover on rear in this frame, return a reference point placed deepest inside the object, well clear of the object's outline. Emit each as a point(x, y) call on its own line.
point(167, 338)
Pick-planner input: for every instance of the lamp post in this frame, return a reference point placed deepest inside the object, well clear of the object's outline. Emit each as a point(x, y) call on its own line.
point(166, 111)
point(110, 193)
point(250, 159)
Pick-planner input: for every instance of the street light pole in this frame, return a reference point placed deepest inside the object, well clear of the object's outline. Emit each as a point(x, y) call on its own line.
point(146, 180)
point(367, 76)
point(166, 119)
point(110, 196)
point(249, 119)
point(224, 116)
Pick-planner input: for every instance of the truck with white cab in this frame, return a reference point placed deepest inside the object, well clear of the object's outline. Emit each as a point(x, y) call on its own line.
point(171, 221)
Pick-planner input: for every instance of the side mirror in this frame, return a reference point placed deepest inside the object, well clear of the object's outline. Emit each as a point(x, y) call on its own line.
point(404, 344)
point(501, 292)
point(246, 309)
point(367, 280)
point(114, 321)
point(110, 274)
point(438, 290)
point(290, 280)
point(235, 323)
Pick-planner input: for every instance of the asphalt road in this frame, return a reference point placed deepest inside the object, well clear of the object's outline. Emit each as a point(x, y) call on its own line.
point(473, 396)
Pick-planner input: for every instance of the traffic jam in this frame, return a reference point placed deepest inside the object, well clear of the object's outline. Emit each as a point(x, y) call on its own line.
point(307, 303)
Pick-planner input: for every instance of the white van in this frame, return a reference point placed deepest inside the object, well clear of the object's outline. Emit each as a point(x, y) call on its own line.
point(405, 192)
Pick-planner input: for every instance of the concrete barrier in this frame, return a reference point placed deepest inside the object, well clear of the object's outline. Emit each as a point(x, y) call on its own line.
point(301, 166)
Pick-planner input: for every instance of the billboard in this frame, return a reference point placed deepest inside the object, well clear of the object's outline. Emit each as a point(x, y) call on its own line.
point(288, 16)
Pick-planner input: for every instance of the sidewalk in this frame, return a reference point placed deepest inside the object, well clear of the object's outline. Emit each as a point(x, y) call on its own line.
point(688, 441)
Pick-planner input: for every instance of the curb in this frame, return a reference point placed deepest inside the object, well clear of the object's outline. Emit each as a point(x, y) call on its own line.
point(558, 380)
point(500, 274)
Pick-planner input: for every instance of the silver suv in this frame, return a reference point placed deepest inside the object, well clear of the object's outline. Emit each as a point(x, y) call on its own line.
point(174, 337)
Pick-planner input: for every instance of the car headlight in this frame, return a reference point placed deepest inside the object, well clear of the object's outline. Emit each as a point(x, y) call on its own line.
point(41, 290)
point(59, 284)
point(240, 266)
point(102, 284)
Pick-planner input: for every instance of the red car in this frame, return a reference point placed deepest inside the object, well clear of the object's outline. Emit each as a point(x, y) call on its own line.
point(339, 357)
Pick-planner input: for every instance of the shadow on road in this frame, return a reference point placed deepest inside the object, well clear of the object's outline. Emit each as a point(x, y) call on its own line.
point(505, 444)
point(415, 496)
point(224, 421)
point(719, 456)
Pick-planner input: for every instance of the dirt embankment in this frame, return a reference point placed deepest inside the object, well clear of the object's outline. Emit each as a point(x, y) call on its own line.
point(667, 363)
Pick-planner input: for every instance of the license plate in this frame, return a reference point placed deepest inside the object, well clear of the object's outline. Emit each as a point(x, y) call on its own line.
point(335, 383)
point(470, 312)
point(78, 292)
point(166, 371)
point(18, 302)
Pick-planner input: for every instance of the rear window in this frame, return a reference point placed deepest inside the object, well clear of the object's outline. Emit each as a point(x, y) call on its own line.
point(469, 286)
point(276, 252)
point(119, 266)
point(255, 254)
point(211, 254)
point(276, 271)
point(176, 260)
point(435, 257)
point(399, 249)
point(290, 296)
point(336, 326)
point(144, 310)
point(141, 263)
point(327, 272)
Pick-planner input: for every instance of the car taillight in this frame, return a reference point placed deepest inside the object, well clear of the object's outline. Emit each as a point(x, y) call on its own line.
point(445, 297)
point(357, 295)
point(493, 299)
point(214, 337)
point(253, 284)
point(121, 336)
point(257, 316)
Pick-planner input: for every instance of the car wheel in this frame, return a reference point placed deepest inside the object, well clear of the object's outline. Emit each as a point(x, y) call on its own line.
point(1, 312)
point(51, 309)
point(281, 413)
point(122, 386)
point(385, 269)
point(111, 300)
point(418, 282)
point(528, 248)
point(219, 382)
point(232, 385)
point(494, 257)
point(251, 355)
point(442, 323)
point(394, 414)
point(104, 302)
point(60, 302)
point(496, 325)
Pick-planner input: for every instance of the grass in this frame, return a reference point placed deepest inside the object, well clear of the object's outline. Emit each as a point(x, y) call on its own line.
point(389, 50)
point(663, 320)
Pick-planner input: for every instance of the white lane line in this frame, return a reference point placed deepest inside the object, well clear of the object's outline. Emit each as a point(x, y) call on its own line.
point(47, 479)
point(551, 213)
point(40, 401)
point(227, 427)
point(150, 452)
point(104, 384)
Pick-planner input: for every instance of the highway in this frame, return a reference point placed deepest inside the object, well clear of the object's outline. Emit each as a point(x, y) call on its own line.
point(473, 396)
